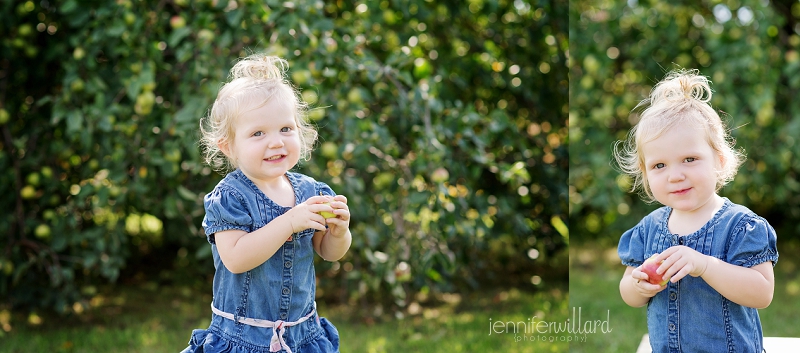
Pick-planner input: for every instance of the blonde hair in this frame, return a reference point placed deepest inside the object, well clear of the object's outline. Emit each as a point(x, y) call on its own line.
point(253, 81)
point(681, 98)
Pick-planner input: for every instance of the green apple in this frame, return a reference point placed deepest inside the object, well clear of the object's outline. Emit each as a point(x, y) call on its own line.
point(47, 172)
point(129, 18)
point(149, 86)
point(4, 116)
point(354, 96)
point(440, 175)
point(205, 35)
point(78, 53)
point(173, 155)
point(8, 267)
point(310, 97)
point(316, 114)
point(33, 179)
point(28, 192)
point(42, 231)
point(422, 68)
point(331, 45)
point(301, 77)
point(25, 29)
point(389, 17)
point(329, 149)
point(327, 214)
point(76, 85)
point(144, 103)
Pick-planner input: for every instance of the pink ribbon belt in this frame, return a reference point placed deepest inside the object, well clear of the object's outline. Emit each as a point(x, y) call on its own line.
point(278, 327)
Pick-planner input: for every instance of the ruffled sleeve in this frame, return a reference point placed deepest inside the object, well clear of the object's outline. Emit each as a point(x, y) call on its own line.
point(631, 247)
point(225, 210)
point(753, 242)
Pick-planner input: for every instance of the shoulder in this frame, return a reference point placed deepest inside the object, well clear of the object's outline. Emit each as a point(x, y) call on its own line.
point(228, 189)
point(637, 242)
point(751, 239)
point(655, 218)
point(741, 217)
point(647, 226)
point(308, 184)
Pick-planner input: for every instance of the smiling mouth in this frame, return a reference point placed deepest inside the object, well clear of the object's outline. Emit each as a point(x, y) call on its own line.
point(275, 158)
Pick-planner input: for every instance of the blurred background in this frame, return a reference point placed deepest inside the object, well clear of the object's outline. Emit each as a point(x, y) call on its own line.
point(619, 50)
point(444, 123)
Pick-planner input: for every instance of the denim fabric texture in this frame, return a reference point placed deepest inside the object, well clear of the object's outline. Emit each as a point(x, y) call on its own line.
point(282, 288)
point(690, 316)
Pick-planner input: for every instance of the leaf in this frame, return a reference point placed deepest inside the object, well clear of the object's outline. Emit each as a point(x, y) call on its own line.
point(177, 35)
point(74, 121)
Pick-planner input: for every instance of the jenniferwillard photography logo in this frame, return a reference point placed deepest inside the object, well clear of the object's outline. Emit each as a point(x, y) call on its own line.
point(573, 329)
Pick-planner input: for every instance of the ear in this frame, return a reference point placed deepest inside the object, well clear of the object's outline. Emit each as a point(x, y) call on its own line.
point(722, 160)
point(225, 147)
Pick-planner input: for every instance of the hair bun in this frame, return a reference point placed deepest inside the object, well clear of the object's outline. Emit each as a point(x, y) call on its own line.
point(260, 66)
point(682, 86)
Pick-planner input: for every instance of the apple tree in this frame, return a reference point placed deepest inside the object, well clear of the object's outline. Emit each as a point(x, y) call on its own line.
point(748, 49)
point(444, 123)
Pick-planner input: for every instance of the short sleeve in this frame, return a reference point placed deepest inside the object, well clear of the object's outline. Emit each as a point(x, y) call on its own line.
point(631, 247)
point(225, 210)
point(753, 242)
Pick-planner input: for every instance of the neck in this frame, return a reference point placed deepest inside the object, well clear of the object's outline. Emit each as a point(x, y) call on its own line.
point(688, 222)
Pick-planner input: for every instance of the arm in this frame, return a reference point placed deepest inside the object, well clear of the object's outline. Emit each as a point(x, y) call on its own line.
point(332, 244)
point(241, 251)
point(752, 287)
point(634, 288)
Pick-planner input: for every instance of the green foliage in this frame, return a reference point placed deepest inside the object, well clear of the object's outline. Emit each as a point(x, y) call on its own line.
point(443, 123)
point(619, 50)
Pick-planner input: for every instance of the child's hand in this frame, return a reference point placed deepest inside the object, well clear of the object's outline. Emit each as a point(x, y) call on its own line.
point(338, 226)
point(306, 215)
point(680, 261)
point(644, 287)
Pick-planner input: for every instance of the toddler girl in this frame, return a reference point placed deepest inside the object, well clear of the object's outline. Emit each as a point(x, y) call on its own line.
point(263, 222)
point(717, 254)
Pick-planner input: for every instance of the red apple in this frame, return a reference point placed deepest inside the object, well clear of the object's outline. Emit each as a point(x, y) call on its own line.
point(649, 267)
point(177, 22)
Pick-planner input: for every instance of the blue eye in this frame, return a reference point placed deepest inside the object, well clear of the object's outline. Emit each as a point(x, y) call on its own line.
point(690, 159)
point(286, 129)
point(257, 133)
point(659, 166)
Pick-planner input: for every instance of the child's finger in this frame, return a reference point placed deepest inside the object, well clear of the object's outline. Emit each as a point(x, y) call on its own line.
point(317, 222)
point(638, 275)
point(318, 199)
point(343, 213)
point(337, 222)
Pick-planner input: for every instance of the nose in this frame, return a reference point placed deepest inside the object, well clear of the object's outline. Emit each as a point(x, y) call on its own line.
point(275, 142)
point(676, 174)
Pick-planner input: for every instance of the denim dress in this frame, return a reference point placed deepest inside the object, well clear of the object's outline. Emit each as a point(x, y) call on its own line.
point(690, 316)
point(280, 292)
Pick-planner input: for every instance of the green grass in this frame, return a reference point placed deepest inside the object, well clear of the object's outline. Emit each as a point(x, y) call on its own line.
point(159, 319)
point(595, 272)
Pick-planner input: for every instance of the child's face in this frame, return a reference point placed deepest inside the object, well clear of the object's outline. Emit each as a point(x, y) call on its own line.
point(266, 142)
point(680, 167)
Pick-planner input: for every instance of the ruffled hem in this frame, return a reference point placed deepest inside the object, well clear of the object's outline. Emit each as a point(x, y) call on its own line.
point(207, 341)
